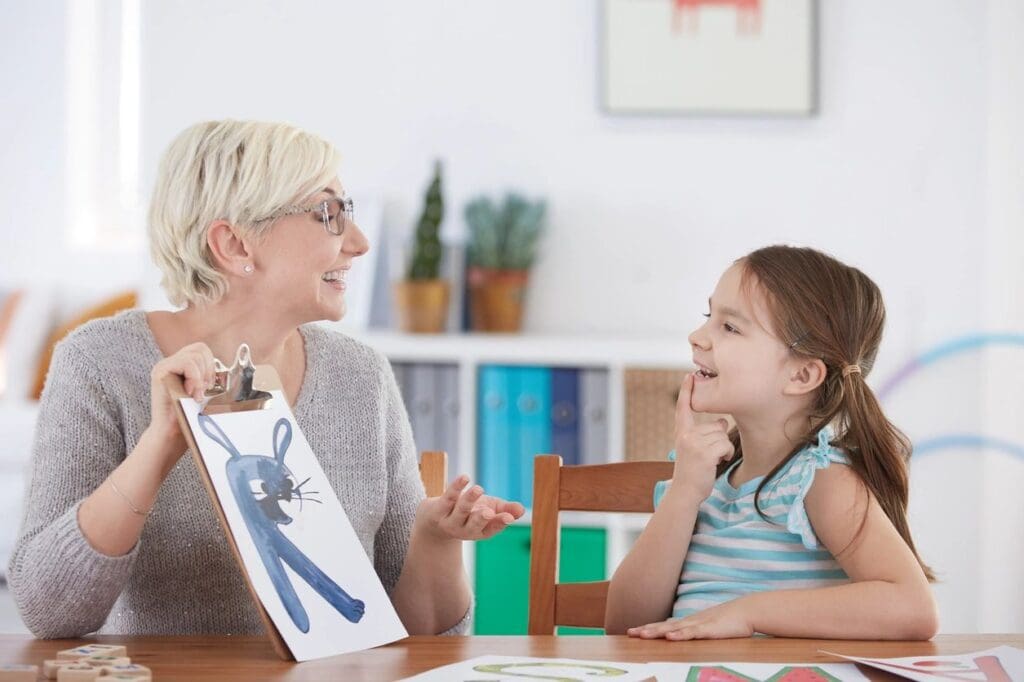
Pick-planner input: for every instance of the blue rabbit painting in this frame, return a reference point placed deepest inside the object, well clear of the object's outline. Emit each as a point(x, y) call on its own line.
point(263, 517)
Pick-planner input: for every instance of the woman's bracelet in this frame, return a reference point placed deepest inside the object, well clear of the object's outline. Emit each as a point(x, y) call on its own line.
point(125, 498)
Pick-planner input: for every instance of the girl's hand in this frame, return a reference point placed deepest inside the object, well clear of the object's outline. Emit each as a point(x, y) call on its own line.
point(699, 447)
point(725, 621)
point(461, 514)
point(194, 363)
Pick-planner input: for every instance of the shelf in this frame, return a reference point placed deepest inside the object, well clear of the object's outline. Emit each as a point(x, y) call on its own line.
point(547, 350)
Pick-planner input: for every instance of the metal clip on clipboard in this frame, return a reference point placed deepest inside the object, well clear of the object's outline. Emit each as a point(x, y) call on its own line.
point(237, 388)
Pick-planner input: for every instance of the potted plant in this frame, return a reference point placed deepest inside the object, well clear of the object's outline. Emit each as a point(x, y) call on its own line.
point(422, 297)
point(502, 248)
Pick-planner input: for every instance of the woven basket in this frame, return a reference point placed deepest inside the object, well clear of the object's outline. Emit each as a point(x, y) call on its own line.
point(651, 411)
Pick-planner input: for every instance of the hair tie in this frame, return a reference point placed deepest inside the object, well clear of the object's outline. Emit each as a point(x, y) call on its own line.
point(851, 369)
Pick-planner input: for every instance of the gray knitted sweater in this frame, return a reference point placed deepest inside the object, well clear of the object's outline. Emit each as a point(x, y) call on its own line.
point(181, 578)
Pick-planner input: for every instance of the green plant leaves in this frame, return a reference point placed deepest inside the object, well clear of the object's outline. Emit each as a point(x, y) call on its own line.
point(426, 253)
point(505, 237)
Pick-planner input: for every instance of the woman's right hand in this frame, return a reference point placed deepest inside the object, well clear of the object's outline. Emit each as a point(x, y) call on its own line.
point(195, 364)
point(700, 448)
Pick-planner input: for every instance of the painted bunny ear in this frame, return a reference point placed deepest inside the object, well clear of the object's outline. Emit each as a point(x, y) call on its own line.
point(281, 443)
point(213, 430)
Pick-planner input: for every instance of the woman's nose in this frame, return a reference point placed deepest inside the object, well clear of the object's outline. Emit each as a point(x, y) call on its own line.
point(355, 242)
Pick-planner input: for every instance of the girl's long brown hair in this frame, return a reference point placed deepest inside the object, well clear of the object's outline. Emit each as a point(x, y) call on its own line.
point(824, 309)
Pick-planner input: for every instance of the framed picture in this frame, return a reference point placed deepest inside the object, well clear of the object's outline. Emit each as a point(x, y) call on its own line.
point(709, 57)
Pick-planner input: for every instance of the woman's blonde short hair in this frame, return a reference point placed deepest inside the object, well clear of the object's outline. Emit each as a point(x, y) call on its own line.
point(238, 171)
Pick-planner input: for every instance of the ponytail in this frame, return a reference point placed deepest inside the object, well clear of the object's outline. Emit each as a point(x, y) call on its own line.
point(883, 455)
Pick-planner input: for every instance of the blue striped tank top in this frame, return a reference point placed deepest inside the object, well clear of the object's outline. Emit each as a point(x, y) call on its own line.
point(734, 551)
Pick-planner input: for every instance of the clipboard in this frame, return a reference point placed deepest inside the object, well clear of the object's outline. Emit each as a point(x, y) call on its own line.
point(241, 388)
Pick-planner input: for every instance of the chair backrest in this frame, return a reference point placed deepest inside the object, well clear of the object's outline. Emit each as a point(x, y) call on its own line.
point(619, 487)
point(434, 471)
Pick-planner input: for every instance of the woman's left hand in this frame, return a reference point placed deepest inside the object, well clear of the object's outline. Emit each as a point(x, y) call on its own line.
point(724, 621)
point(461, 514)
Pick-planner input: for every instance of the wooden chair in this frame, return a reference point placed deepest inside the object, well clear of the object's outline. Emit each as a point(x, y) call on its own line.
point(434, 472)
point(619, 487)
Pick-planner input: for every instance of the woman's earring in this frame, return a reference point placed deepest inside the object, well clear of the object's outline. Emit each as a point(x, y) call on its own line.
point(248, 269)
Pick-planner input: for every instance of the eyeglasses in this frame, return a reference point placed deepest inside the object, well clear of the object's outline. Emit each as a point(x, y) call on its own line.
point(334, 213)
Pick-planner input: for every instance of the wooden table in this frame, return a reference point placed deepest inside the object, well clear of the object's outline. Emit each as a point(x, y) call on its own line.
point(225, 659)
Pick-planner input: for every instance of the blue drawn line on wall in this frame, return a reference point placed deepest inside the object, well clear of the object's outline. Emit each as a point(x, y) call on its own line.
point(955, 346)
point(942, 351)
point(956, 441)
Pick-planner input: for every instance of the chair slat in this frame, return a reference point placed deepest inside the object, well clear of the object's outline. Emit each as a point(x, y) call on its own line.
point(581, 604)
point(619, 487)
point(434, 472)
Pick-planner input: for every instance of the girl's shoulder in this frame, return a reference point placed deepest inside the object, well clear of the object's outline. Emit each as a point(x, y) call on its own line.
point(818, 455)
point(794, 481)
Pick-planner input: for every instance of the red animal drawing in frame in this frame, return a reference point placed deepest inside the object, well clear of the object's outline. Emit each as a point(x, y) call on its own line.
point(748, 14)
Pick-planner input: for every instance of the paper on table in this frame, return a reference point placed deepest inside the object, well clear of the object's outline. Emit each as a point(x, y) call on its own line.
point(1001, 664)
point(757, 672)
point(492, 668)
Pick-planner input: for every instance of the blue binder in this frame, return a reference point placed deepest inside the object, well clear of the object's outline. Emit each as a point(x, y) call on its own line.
point(494, 434)
point(565, 421)
point(531, 422)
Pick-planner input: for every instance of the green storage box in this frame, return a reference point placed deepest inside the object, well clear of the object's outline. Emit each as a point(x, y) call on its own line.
point(503, 576)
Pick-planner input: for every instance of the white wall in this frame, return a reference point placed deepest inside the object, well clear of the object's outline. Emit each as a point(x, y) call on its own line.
point(32, 129)
point(647, 209)
point(891, 175)
point(41, 194)
point(1002, 538)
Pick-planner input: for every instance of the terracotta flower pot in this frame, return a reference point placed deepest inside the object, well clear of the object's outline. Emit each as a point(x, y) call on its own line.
point(496, 299)
point(422, 305)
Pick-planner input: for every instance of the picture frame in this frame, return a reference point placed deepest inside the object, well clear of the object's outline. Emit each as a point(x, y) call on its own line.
point(709, 57)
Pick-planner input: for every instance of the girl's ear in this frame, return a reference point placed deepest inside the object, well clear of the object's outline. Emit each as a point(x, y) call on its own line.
point(231, 251)
point(806, 377)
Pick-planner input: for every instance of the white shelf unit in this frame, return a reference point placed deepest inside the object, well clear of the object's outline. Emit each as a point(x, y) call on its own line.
point(614, 354)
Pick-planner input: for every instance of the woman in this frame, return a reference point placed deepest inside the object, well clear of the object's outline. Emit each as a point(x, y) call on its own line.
point(254, 235)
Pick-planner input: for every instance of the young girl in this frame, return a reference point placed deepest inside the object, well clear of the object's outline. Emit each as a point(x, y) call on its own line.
point(794, 523)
